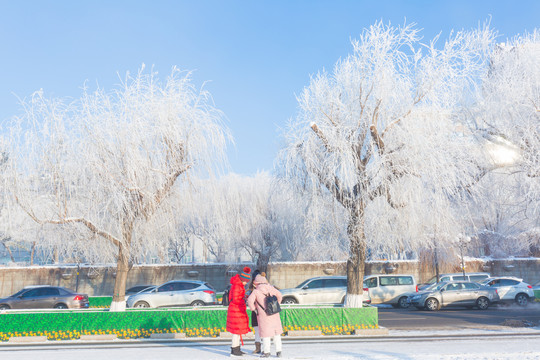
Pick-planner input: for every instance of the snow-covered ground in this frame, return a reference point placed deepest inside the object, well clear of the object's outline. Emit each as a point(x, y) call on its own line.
point(514, 344)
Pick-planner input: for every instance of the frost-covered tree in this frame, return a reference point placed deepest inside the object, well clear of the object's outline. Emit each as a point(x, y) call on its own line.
point(500, 213)
point(256, 216)
point(105, 167)
point(218, 216)
point(232, 217)
point(278, 226)
point(509, 115)
point(384, 134)
point(260, 222)
point(308, 223)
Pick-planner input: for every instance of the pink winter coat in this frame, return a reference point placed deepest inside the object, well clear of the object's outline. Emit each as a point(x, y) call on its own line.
point(269, 325)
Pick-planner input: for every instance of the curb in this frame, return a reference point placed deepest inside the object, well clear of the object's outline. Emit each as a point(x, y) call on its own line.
point(102, 337)
point(27, 339)
point(36, 341)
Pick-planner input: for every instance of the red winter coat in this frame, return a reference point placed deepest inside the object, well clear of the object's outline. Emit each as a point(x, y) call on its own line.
point(237, 319)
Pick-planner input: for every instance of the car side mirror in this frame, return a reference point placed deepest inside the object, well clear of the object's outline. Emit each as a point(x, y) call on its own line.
point(305, 287)
point(442, 290)
point(20, 296)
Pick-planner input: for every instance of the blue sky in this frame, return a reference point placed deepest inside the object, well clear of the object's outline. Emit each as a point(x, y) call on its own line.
point(255, 56)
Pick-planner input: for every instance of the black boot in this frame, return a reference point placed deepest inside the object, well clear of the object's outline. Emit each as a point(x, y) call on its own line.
point(257, 348)
point(264, 355)
point(235, 351)
point(278, 354)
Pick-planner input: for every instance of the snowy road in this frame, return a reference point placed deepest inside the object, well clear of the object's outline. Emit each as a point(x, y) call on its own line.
point(502, 346)
point(455, 318)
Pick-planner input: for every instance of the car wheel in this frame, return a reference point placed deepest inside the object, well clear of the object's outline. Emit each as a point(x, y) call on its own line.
point(289, 301)
point(403, 302)
point(60, 306)
point(198, 303)
point(482, 303)
point(432, 304)
point(141, 304)
point(522, 300)
point(4, 307)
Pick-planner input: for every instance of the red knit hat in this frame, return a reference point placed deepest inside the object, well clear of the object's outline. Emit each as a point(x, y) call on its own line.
point(245, 275)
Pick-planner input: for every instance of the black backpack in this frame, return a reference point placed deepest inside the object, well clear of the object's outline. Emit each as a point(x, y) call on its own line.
point(225, 298)
point(271, 305)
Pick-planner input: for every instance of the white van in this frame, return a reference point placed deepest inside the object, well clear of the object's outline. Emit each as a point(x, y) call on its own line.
point(390, 289)
point(473, 276)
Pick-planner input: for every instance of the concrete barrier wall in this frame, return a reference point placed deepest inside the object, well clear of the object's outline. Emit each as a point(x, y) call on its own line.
point(99, 280)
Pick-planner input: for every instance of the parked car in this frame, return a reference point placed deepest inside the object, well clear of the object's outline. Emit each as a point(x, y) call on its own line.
point(320, 290)
point(175, 293)
point(511, 289)
point(390, 289)
point(455, 293)
point(478, 277)
point(45, 297)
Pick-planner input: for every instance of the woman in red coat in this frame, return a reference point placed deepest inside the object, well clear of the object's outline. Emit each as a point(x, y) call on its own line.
point(237, 319)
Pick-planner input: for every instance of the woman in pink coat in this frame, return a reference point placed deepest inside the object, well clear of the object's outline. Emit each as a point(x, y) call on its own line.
point(269, 325)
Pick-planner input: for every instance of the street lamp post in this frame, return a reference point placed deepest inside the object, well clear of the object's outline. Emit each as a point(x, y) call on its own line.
point(462, 262)
point(462, 240)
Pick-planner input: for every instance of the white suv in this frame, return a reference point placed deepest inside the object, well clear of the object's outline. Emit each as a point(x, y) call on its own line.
point(511, 289)
point(320, 290)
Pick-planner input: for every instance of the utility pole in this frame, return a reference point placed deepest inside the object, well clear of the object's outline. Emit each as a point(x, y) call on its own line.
point(462, 262)
point(462, 240)
point(437, 265)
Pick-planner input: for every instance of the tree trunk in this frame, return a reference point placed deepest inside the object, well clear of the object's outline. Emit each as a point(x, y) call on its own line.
point(32, 253)
point(356, 262)
point(56, 255)
point(9, 252)
point(262, 262)
point(122, 268)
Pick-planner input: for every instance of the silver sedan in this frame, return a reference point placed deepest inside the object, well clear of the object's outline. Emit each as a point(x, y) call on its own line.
point(43, 297)
point(455, 293)
point(175, 293)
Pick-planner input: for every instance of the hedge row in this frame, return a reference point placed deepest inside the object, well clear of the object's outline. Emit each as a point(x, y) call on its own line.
point(100, 301)
point(207, 322)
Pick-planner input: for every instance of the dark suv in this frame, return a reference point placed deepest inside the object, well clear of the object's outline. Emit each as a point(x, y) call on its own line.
point(45, 297)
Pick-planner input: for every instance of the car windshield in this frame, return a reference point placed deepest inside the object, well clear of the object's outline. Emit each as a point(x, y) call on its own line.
point(18, 293)
point(435, 287)
point(303, 283)
point(148, 289)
